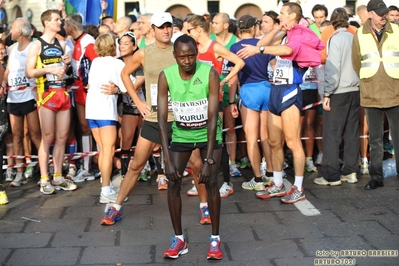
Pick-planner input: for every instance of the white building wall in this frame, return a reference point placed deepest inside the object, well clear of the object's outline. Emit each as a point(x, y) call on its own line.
point(150, 6)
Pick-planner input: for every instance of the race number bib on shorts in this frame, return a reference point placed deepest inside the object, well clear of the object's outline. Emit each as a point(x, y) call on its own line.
point(284, 73)
point(191, 115)
point(154, 98)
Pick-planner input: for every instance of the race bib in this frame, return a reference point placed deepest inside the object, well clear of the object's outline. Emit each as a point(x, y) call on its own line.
point(154, 98)
point(225, 68)
point(191, 115)
point(284, 73)
point(54, 78)
point(310, 76)
point(17, 78)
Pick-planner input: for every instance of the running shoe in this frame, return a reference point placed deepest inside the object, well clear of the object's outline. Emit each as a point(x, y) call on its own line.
point(162, 182)
point(82, 175)
point(244, 163)
point(71, 172)
point(310, 167)
point(192, 191)
point(64, 184)
point(205, 216)
point(144, 175)
point(214, 253)
point(46, 188)
point(10, 174)
point(3, 197)
point(177, 248)
point(364, 168)
point(19, 180)
point(294, 195)
point(226, 190)
point(29, 172)
point(252, 185)
point(111, 217)
point(272, 191)
point(234, 172)
point(351, 178)
point(267, 180)
point(324, 182)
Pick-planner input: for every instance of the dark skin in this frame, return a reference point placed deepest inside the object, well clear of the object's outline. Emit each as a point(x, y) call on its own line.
point(175, 162)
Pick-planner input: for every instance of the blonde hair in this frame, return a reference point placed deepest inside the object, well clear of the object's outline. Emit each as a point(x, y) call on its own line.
point(105, 45)
point(199, 21)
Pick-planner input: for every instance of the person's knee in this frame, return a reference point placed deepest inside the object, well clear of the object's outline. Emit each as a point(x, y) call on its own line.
point(17, 138)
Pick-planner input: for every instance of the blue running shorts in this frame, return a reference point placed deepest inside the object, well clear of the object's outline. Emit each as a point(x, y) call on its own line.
point(283, 97)
point(255, 96)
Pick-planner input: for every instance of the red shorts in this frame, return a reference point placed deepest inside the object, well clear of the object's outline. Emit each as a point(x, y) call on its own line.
point(56, 100)
point(80, 96)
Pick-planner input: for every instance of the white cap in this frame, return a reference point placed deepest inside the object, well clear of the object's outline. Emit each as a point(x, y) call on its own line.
point(160, 18)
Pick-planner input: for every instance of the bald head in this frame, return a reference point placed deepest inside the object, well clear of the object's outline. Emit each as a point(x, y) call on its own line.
point(361, 11)
point(224, 17)
point(122, 25)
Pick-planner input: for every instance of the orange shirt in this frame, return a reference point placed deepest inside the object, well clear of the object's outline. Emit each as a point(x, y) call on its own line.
point(327, 34)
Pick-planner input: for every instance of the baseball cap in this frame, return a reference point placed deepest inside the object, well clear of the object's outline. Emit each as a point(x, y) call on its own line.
point(378, 6)
point(246, 22)
point(160, 18)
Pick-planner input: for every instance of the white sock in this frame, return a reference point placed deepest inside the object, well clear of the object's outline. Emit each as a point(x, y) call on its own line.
point(86, 147)
point(216, 237)
point(278, 178)
point(181, 237)
point(203, 205)
point(298, 182)
point(364, 160)
point(106, 190)
point(308, 159)
point(117, 207)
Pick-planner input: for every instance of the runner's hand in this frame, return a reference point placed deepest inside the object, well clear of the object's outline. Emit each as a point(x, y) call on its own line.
point(205, 173)
point(171, 172)
point(247, 51)
point(326, 104)
point(144, 109)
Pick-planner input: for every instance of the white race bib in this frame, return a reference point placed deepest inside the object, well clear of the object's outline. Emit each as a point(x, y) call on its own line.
point(154, 98)
point(284, 73)
point(191, 115)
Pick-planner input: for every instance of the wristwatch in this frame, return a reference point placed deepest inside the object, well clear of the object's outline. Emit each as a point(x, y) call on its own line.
point(210, 161)
point(261, 49)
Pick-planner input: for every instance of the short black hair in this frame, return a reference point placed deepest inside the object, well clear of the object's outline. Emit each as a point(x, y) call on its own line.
point(233, 26)
point(393, 8)
point(320, 7)
point(185, 39)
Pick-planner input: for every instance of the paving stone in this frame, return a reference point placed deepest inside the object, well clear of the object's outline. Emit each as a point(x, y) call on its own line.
point(282, 231)
point(113, 255)
point(12, 226)
point(21, 240)
point(84, 239)
point(348, 228)
point(44, 256)
point(58, 225)
point(294, 217)
point(267, 249)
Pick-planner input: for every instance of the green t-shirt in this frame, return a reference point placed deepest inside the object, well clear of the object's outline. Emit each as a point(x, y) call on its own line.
point(315, 29)
point(189, 100)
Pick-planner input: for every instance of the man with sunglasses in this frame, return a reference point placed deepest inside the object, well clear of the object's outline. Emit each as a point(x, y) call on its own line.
point(375, 58)
point(153, 58)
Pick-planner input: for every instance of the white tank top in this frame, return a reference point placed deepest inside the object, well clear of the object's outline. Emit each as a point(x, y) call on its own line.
point(20, 86)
